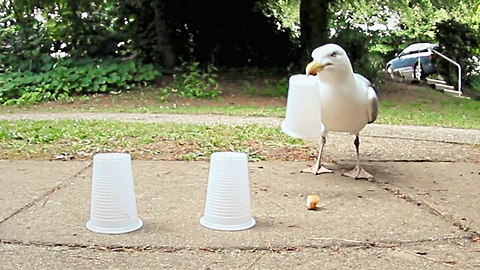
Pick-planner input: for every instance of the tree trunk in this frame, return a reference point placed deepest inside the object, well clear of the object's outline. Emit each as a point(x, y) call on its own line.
point(314, 30)
point(75, 23)
point(163, 42)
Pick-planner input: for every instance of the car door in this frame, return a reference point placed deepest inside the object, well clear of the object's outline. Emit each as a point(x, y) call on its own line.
point(399, 62)
point(411, 58)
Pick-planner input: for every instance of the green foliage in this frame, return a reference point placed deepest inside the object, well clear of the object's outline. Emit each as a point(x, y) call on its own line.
point(393, 25)
point(357, 44)
point(370, 65)
point(473, 85)
point(162, 95)
point(475, 18)
point(277, 89)
point(195, 83)
point(250, 90)
point(68, 77)
point(458, 41)
point(34, 35)
point(285, 12)
point(272, 88)
point(23, 46)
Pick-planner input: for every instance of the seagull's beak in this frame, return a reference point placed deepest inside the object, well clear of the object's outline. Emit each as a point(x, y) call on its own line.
point(313, 68)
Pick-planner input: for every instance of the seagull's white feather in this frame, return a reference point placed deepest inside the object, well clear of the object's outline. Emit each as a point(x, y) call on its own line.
point(348, 100)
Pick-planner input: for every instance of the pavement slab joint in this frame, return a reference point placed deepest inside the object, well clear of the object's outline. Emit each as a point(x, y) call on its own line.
point(328, 243)
point(464, 226)
point(45, 195)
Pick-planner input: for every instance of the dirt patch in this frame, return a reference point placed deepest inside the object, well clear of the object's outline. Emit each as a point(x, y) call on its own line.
point(406, 93)
point(235, 91)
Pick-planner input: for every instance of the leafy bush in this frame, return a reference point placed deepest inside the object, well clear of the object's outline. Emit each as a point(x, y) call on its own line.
point(357, 44)
point(68, 77)
point(457, 41)
point(370, 65)
point(194, 83)
point(473, 85)
point(278, 89)
point(23, 43)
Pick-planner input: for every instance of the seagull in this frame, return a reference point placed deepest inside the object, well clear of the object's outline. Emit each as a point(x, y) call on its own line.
point(348, 101)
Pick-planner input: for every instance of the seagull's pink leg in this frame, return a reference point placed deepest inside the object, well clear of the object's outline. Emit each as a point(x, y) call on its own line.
point(318, 168)
point(358, 172)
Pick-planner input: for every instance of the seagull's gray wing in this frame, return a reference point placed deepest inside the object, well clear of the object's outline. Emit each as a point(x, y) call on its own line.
point(372, 105)
point(372, 108)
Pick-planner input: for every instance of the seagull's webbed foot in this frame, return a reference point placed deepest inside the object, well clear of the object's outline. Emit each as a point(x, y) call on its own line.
point(316, 170)
point(359, 173)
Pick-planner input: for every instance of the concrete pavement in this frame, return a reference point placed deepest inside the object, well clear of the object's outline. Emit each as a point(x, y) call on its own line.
point(417, 215)
point(420, 213)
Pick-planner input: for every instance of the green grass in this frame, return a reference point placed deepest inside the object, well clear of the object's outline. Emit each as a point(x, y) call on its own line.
point(80, 139)
point(177, 109)
point(223, 110)
point(454, 112)
point(417, 106)
point(451, 112)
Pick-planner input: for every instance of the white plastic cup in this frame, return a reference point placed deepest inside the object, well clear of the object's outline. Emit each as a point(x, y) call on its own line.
point(227, 205)
point(113, 209)
point(303, 116)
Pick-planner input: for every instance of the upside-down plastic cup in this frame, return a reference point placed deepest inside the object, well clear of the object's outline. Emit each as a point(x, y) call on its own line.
point(303, 116)
point(227, 205)
point(113, 209)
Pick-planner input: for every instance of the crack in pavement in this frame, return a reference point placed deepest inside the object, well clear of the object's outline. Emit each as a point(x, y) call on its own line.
point(400, 160)
point(421, 139)
point(422, 203)
point(45, 195)
point(332, 244)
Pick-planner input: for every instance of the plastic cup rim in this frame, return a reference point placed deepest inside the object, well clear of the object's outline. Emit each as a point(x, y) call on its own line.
point(291, 133)
point(106, 230)
point(221, 227)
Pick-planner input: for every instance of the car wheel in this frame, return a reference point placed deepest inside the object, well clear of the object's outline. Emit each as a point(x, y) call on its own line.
point(418, 71)
point(390, 71)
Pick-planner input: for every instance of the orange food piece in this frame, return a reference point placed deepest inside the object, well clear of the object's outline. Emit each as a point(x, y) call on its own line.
point(312, 201)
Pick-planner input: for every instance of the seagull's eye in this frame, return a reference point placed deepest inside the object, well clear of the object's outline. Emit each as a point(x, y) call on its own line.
point(334, 54)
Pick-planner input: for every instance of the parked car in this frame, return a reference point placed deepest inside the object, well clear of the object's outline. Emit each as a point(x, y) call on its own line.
point(415, 62)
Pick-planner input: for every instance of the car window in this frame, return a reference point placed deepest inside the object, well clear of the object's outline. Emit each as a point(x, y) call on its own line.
point(405, 51)
point(414, 48)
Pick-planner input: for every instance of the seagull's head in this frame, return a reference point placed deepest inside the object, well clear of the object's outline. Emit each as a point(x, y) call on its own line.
point(329, 62)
